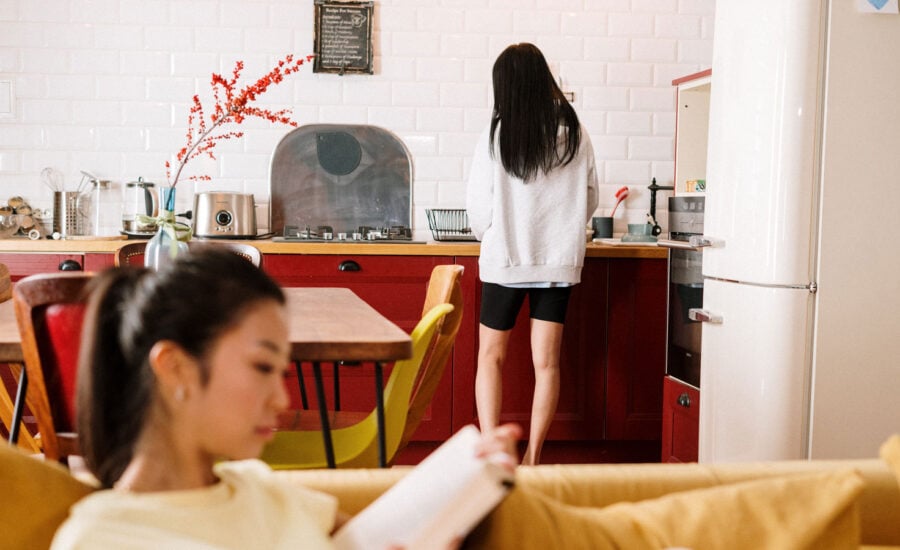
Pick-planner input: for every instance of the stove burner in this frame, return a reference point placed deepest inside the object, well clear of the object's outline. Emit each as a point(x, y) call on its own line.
point(362, 234)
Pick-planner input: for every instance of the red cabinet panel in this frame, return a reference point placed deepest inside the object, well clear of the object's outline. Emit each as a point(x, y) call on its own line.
point(637, 348)
point(681, 421)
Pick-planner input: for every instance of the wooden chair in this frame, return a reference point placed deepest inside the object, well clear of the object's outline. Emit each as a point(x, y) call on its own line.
point(356, 446)
point(443, 288)
point(7, 408)
point(50, 311)
point(133, 253)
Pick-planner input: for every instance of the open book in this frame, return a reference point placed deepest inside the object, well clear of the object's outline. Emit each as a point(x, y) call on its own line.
point(440, 500)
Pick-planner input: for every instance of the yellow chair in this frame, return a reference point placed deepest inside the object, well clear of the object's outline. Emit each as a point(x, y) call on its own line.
point(356, 446)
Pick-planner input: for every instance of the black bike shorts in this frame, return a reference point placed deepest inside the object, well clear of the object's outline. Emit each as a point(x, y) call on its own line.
point(500, 304)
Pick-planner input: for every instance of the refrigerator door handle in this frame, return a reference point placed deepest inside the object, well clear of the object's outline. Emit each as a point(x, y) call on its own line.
point(704, 316)
point(700, 241)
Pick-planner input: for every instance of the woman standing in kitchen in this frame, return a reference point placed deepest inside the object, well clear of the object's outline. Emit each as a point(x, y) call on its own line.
point(531, 191)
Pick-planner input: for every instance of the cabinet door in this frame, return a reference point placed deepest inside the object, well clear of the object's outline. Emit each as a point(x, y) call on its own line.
point(393, 285)
point(579, 414)
point(25, 264)
point(681, 421)
point(637, 348)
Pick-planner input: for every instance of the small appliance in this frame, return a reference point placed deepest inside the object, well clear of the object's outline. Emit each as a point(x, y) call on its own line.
point(224, 215)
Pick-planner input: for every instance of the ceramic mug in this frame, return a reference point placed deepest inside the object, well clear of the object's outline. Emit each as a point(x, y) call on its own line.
point(602, 226)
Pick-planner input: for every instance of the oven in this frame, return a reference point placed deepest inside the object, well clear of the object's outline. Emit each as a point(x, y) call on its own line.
point(685, 288)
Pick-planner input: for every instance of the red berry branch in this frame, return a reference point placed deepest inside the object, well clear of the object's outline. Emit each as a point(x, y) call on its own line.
point(235, 106)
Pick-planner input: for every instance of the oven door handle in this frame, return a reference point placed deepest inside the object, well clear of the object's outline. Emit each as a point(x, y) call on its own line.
point(678, 245)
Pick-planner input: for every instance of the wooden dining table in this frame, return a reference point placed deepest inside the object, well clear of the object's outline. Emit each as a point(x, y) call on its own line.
point(326, 325)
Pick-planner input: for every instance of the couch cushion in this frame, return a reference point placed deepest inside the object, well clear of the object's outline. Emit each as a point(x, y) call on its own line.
point(36, 497)
point(802, 511)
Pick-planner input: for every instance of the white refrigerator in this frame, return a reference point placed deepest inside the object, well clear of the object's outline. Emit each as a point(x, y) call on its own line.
point(801, 358)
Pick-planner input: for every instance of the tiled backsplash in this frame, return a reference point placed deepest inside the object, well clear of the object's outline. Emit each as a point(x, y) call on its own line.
point(105, 86)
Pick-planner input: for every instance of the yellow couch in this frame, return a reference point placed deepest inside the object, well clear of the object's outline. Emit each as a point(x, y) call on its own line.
point(35, 495)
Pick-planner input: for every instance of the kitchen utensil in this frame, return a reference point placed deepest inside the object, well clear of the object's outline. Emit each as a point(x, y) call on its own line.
point(222, 215)
point(140, 200)
point(621, 195)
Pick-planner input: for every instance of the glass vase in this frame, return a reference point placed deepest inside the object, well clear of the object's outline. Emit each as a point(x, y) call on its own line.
point(164, 247)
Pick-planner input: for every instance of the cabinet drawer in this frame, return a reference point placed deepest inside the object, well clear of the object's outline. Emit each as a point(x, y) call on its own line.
point(681, 421)
point(24, 264)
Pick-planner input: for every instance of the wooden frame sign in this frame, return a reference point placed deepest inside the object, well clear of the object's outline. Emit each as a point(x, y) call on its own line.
point(343, 41)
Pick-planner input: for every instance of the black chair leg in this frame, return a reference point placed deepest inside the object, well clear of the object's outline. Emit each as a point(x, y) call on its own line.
point(18, 408)
point(323, 415)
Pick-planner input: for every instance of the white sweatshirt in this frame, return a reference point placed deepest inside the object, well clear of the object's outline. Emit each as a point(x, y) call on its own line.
point(531, 232)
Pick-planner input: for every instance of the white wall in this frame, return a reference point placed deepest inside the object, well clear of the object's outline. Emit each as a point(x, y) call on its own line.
point(104, 86)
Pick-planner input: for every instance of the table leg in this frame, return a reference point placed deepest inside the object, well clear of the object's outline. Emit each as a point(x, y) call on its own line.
point(18, 408)
point(323, 415)
point(337, 385)
point(304, 403)
point(379, 412)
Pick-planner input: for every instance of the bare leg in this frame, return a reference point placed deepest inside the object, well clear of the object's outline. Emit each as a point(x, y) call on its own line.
point(546, 338)
point(488, 381)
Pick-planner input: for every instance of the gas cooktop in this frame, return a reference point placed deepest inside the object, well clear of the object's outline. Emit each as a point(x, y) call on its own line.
point(397, 234)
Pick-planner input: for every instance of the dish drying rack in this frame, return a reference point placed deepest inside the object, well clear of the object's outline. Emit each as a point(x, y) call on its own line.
point(448, 224)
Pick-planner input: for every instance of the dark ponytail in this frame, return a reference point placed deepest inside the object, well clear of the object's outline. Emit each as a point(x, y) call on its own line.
point(190, 302)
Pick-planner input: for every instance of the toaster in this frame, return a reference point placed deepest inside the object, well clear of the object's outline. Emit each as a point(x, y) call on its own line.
point(224, 215)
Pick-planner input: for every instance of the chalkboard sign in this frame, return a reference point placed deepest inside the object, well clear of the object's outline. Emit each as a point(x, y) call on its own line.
point(343, 42)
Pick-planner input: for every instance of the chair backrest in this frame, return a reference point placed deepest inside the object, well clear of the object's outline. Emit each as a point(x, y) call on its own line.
point(133, 253)
point(443, 288)
point(245, 250)
point(50, 310)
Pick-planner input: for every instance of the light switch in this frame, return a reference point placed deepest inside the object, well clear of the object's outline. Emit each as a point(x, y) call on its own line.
point(6, 98)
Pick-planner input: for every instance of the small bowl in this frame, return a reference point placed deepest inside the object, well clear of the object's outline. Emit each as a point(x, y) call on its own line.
point(640, 229)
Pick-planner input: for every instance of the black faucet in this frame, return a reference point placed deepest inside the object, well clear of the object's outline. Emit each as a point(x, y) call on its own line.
point(653, 189)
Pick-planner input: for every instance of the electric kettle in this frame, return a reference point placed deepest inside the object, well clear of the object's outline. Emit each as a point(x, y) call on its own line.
point(140, 200)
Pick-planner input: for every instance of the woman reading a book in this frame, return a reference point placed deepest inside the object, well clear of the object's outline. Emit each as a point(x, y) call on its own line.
point(180, 369)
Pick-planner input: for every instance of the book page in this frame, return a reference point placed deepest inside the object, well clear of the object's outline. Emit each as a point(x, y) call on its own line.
point(440, 500)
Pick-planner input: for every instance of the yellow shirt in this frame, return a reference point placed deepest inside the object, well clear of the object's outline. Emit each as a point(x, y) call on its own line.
point(249, 508)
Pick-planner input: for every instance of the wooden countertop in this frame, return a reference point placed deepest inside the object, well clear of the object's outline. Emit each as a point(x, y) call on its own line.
point(432, 248)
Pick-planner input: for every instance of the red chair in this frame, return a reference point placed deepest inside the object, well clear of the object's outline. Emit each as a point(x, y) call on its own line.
point(50, 311)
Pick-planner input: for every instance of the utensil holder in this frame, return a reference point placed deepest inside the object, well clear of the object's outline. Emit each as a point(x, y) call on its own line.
point(67, 220)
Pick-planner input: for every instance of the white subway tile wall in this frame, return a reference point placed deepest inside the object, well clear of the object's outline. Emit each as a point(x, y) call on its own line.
point(105, 86)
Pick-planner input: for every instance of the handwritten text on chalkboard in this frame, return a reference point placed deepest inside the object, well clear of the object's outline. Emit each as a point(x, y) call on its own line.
point(343, 42)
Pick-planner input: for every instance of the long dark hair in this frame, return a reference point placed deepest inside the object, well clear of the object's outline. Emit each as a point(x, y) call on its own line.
point(191, 302)
point(528, 109)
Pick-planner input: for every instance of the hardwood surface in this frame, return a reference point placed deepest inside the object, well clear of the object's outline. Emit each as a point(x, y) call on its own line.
point(326, 324)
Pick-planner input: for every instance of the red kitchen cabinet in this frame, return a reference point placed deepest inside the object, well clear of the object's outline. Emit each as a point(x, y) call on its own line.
point(681, 421)
point(393, 285)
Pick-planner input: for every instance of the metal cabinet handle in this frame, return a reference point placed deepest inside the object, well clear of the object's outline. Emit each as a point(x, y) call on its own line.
point(702, 241)
point(69, 265)
point(704, 316)
point(349, 265)
point(684, 400)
